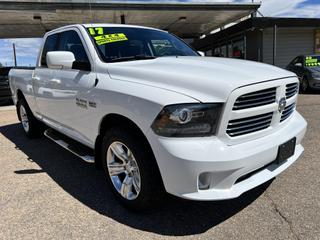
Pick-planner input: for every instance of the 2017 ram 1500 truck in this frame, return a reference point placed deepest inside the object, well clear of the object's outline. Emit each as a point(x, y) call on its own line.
point(159, 117)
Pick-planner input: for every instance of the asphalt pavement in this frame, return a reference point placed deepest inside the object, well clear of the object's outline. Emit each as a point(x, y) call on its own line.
point(47, 193)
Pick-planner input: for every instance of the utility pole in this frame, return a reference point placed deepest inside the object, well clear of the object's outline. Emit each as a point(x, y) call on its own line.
point(14, 54)
point(275, 28)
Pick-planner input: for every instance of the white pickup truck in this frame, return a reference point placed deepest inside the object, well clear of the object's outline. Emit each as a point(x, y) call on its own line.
point(157, 116)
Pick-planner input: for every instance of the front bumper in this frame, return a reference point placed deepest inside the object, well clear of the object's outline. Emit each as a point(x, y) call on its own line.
point(181, 161)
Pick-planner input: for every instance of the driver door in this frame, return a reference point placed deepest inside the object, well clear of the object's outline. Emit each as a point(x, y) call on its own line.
point(297, 66)
point(71, 88)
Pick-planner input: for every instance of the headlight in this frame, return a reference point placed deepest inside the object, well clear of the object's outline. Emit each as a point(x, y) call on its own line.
point(188, 120)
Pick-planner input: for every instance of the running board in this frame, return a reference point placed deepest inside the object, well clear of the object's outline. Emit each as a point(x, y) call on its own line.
point(78, 149)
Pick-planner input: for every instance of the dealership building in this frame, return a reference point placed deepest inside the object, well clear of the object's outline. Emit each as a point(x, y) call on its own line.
point(270, 40)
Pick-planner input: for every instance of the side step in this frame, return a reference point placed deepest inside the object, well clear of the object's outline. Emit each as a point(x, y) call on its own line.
point(78, 149)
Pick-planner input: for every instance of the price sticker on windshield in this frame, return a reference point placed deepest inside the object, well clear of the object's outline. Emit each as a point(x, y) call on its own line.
point(110, 38)
point(312, 61)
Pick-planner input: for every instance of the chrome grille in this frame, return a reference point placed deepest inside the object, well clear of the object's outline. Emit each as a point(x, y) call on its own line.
point(255, 99)
point(291, 90)
point(247, 125)
point(287, 112)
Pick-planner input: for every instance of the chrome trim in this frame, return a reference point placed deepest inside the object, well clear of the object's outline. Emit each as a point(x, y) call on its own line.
point(49, 133)
point(291, 89)
point(255, 99)
point(232, 117)
point(249, 125)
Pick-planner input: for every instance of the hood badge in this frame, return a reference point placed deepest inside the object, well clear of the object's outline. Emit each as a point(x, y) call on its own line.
point(282, 104)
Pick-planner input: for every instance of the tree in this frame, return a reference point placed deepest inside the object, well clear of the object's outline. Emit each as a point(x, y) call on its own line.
point(0, 64)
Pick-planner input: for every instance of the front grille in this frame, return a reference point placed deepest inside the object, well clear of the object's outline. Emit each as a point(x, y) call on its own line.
point(247, 125)
point(287, 112)
point(255, 99)
point(292, 89)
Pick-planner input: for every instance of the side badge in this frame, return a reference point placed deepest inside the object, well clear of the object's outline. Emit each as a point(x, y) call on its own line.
point(81, 103)
point(93, 104)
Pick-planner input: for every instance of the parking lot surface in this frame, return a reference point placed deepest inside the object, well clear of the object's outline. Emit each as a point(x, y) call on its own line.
point(47, 193)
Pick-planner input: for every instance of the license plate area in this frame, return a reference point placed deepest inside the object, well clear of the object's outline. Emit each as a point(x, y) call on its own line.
point(286, 150)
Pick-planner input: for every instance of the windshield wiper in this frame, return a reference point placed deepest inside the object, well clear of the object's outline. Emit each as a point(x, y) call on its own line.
point(131, 58)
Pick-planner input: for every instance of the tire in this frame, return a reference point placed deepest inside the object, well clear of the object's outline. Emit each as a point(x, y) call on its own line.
point(304, 86)
point(131, 169)
point(31, 126)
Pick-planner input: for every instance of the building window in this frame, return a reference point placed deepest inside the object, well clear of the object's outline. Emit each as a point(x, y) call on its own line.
point(208, 53)
point(233, 49)
point(317, 42)
point(229, 49)
point(237, 49)
point(223, 51)
point(217, 52)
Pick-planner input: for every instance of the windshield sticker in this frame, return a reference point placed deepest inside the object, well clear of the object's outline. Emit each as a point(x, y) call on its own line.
point(110, 38)
point(312, 61)
point(96, 31)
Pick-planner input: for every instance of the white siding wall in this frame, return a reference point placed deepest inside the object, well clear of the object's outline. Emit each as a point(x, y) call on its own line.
point(291, 42)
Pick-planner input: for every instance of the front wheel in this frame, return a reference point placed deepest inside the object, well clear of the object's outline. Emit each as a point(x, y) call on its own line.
point(131, 169)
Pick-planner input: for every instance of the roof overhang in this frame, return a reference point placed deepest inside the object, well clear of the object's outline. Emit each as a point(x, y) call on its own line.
point(255, 23)
point(32, 18)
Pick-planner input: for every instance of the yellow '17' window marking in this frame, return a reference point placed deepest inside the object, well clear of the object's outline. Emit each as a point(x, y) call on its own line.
point(96, 31)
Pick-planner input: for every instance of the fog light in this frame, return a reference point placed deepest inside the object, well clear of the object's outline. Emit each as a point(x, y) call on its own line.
point(204, 181)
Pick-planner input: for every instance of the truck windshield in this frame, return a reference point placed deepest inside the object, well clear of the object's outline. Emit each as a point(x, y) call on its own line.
point(126, 43)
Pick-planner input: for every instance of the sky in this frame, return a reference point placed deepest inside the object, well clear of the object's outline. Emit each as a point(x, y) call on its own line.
point(27, 49)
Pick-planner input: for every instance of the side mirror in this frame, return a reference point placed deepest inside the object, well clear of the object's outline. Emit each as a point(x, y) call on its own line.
point(60, 59)
point(298, 64)
point(202, 54)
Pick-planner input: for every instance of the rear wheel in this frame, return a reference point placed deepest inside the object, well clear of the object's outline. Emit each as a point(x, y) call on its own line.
point(31, 126)
point(131, 169)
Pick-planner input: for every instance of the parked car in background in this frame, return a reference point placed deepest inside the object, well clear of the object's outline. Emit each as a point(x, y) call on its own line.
point(5, 92)
point(308, 70)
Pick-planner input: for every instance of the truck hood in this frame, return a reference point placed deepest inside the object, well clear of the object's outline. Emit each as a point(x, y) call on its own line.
point(206, 79)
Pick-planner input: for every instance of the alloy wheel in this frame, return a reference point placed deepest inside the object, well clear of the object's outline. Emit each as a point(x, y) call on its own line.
point(24, 118)
point(123, 170)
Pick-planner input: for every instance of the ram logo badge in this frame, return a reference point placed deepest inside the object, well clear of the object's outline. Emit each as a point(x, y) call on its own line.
point(282, 104)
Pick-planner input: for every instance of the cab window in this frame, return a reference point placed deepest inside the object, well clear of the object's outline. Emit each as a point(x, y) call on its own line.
point(49, 45)
point(297, 60)
point(71, 42)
